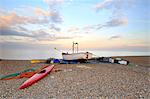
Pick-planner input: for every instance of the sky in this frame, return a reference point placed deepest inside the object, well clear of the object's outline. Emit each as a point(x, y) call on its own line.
point(38, 26)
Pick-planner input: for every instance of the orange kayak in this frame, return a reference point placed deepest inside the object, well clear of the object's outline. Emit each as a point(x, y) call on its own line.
point(36, 77)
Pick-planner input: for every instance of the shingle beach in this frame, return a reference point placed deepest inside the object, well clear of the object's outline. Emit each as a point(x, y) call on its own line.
point(81, 81)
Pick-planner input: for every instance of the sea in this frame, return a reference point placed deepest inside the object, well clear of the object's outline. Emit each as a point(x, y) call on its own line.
point(45, 54)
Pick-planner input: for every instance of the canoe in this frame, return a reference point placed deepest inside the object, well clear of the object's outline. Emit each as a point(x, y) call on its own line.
point(24, 74)
point(16, 74)
point(36, 77)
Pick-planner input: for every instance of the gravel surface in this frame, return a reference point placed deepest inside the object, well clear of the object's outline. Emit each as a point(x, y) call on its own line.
point(79, 81)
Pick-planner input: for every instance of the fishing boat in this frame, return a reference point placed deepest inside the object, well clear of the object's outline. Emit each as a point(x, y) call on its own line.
point(75, 55)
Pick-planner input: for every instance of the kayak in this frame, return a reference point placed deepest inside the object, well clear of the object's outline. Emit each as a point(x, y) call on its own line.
point(36, 77)
point(37, 61)
point(16, 74)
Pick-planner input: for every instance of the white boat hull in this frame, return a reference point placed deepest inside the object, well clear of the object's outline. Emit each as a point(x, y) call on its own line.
point(76, 56)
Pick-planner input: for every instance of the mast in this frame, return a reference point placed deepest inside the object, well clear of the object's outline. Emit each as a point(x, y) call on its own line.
point(75, 47)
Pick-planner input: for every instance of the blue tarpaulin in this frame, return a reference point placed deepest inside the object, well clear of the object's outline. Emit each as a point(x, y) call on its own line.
point(56, 61)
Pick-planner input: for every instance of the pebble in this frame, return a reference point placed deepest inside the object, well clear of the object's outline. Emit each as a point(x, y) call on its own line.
point(102, 81)
point(52, 77)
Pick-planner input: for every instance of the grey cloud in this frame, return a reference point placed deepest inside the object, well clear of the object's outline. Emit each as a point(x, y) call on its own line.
point(37, 21)
point(21, 31)
point(22, 28)
point(116, 7)
point(114, 37)
point(12, 32)
point(117, 22)
point(39, 35)
point(3, 12)
point(54, 2)
point(99, 26)
point(55, 17)
point(54, 13)
point(51, 17)
point(103, 5)
point(112, 23)
point(53, 27)
point(113, 4)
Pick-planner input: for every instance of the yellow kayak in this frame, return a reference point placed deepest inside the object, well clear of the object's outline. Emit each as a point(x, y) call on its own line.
point(37, 61)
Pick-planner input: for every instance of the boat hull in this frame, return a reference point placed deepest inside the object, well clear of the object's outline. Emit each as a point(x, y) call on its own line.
point(36, 77)
point(77, 56)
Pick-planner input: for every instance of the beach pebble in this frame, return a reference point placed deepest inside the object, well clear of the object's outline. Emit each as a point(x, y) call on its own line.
point(52, 76)
point(79, 81)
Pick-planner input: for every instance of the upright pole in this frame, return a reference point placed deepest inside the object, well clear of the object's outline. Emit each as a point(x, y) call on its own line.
point(73, 47)
point(77, 47)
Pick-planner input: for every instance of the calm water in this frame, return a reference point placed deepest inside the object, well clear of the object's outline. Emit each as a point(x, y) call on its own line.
point(44, 54)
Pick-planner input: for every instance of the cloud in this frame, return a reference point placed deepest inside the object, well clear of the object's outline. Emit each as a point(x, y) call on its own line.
point(117, 8)
point(54, 2)
point(113, 4)
point(114, 37)
point(41, 12)
point(13, 32)
point(89, 28)
point(117, 22)
point(12, 19)
point(73, 29)
point(38, 35)
point(55, 18)
point(111, 23)
point(86, 29)
point(54, 7)
point(39, 16)
point(53, 27)
point(103, 5)
point(52, 15)
point(3, 12)
point(12, 23)
point(42, 35)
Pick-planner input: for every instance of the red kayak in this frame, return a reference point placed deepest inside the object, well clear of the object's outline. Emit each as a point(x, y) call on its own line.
point(36, 77)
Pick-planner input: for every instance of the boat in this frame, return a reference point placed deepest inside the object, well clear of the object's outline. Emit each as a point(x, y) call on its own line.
point(36, 77)
point(75, 55)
